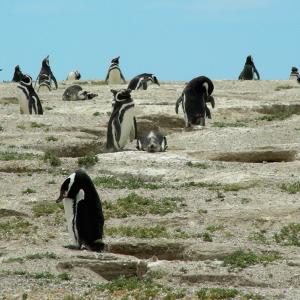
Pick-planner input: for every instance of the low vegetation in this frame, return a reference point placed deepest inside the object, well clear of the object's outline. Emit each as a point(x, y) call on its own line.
point(291, 188)
point(38, 125)
point(29, 191)
point(284, 87)
point(216, 186)
point(46, 208)
point(289, 235)
point(130, 183)
point(53, 160)
point(6, 156)
point(243, 259)
point(51, 138)
point(87, 161)
point(36, 256)
point(216, 293)
point(225, 124)
point(14, 227)
point(134, 204)
point(64, 276)
point(197, 165)
point(279, 115)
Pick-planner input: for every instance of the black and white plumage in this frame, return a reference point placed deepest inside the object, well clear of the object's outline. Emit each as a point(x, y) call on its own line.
point(74, 75)
point(29, 100)
point(249, 71)
point(194, 100)
point(141, 82)
point(83, 211)
point(46, 76)
point(17, 74)
point(75, 92)
point(122, 123)
point(152, 142)
point(114, 73)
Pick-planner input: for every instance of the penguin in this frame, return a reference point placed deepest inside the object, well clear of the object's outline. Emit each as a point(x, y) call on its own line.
point(17, 74)
point(74, 75)
point(194, 98)
point(141, 81)
point(249, 70)
point(75, 92)
point(152, 142)
point(83, 211)
point(46, 76)
point(29, 100)
point(114, 74)
point(294, 74)
point(122, 123)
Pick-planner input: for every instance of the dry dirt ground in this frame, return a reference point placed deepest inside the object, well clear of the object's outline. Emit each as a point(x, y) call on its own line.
point(219, 209)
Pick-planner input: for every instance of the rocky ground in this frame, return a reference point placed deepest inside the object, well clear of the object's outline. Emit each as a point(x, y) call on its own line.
point(214, 217)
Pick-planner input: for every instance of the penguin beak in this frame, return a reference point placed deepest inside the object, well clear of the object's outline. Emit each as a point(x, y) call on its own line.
point(61, 197)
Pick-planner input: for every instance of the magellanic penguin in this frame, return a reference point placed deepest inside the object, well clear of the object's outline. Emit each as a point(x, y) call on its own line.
point(152, 142)
point(294, 74)
point(141, 82)
point(17, 74)
point(122, 123)
point(83, 211)
point(194, 98)
point(29, 100)
point(75, 92)
point(249, 70)
point(46, 76)
point(114, 73)
point(74, 75)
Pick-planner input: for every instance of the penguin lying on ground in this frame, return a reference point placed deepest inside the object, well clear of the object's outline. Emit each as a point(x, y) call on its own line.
point(194, 98)
point(29, 100)
point(74, 75)
point(122, 123)
point(75, 92)
point(114, 73)
point(46, 76)
point(249, 70)
point(17, 74)
point(83, 211)
point(142, 81)
point(152, 142)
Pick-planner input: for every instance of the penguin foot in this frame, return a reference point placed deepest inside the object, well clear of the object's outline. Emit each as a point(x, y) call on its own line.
point(97, 246)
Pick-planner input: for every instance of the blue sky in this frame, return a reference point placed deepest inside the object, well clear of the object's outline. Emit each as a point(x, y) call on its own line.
point(175, 39)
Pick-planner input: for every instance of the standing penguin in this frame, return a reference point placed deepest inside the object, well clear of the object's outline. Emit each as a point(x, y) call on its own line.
point(152, 142)
point(294, 74)
point(17, 74)
point(83, 211)
point(122, 123)
point(194, 98)
point(249, 70)
point(74, 75)
point(46, 76)
point(142, 81)
point(114, 74)
point(29, 100)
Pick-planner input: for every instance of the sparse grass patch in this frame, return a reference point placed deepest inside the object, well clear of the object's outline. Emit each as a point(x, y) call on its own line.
point(216, 186)
point(21, 126)
point(279, 115)
point(258, 237)
point(87, 161)
point(21, 259)
point(51, 138)
point(134, 204)
point(289, 235)
point(216, 293)
point(96, 113)
point(225, 124)
point(40, 275)
point(130, 183)
point(29, 191)
point(242, 259)
point(214, 228)
point(48, 108)
point(213, 186)
point(197, 165)
point(14, 227)
point(46, 208)
point(291, 188)
point(202, 211)
point(252, 296)
point(206, 236)
point(1, 128)
point(16, 156)
point(38, 125)
point(143, 232)
point(52, 159)
point(284, 87)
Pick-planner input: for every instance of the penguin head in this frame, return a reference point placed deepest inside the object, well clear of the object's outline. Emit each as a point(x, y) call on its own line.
point(115, 60)
point(154, 80)
point(249, 60)
point(121, 95)
point(45, 62)
point(294, 69)
point(77, 75)
point(17, 68)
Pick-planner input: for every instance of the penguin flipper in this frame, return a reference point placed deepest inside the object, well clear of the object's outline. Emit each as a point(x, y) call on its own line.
point(179, 100)
point(133, 133)
point(54, 79)
point(207, 112)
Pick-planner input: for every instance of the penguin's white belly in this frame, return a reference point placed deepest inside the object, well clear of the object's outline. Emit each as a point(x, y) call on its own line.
point(126, 127)
point(71, 76)
point(70, 218)
point(293, 77)
point(114, 77)
point(23, 101)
